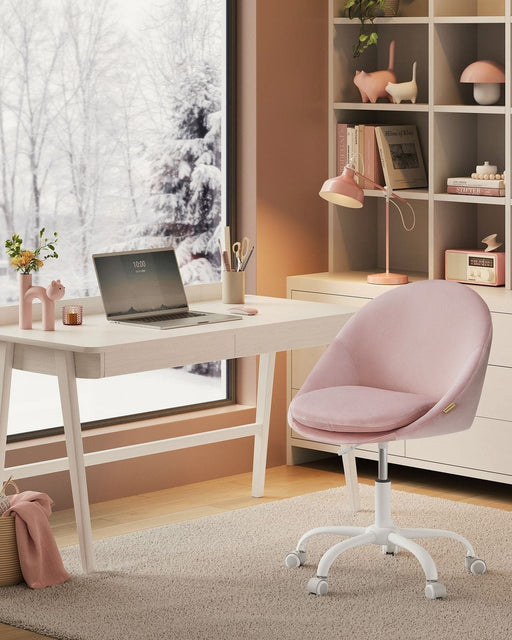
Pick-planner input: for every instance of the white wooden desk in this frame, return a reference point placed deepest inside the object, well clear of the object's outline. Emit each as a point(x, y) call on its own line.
point(98, 349)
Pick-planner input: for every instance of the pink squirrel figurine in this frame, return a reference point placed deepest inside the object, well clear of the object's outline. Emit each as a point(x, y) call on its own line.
point(373, 85)
point(54, 291)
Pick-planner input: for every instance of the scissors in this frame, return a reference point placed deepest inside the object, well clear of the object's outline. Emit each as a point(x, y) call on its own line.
point(241, 249)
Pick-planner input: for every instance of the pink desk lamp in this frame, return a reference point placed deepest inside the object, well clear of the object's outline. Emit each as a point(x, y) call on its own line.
point(343, 191)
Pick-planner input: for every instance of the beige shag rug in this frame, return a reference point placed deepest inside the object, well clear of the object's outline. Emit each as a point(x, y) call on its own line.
point(223, 578)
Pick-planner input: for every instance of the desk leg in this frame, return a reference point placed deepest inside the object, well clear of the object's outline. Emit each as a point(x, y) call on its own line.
point(263, 406)
point(72, 429)
point(6, 358)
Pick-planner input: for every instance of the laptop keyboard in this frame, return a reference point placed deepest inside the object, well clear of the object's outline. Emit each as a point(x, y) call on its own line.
point(169, 316)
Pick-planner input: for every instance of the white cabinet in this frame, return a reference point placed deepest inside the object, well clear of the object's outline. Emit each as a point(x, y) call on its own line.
point(484, 451)
point(456, 134)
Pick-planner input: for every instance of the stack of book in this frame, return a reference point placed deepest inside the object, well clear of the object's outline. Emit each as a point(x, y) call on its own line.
point(357, 143)
point(475, 187)
point(387, 154)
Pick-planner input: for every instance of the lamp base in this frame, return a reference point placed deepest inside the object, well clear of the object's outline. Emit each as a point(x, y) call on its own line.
point(387, 278)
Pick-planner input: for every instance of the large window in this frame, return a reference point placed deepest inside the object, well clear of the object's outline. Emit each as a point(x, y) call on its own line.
point(114, 133)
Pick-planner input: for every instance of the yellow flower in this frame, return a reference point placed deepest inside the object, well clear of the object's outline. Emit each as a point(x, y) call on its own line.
point(25, 259)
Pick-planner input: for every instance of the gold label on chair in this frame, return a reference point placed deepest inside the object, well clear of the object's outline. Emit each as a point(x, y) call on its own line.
point(451, 406)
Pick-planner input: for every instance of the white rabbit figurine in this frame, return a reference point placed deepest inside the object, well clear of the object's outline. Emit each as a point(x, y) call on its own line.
point(404, 90)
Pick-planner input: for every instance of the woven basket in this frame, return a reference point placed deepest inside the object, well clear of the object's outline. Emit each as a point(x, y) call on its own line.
point(10, 571)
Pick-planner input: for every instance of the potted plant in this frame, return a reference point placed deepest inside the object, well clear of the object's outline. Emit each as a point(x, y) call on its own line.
point(366, 11)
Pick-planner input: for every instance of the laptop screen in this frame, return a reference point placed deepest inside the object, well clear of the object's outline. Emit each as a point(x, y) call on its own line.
point(135, 283)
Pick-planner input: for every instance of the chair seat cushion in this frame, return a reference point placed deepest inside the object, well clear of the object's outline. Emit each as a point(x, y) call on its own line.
point(352, 408)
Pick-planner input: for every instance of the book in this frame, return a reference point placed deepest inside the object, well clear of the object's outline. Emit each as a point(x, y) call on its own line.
point(341, 147)
point(372, 163)
point(351, 146)
point(358, 143)
point(475, 182)
point(359, 160)
point(400, 154)
point(475, 191)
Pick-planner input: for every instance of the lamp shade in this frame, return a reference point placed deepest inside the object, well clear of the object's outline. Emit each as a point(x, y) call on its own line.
point(342, 190)
point(486, 76)
point(483, 71)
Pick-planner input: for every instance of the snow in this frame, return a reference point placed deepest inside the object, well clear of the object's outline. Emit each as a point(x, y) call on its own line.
point(111, 118)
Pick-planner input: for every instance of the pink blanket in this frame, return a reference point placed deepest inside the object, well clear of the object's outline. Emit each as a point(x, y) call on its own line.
point(40, 561)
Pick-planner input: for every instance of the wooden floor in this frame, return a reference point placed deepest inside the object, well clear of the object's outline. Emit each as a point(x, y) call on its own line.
point(225, 494)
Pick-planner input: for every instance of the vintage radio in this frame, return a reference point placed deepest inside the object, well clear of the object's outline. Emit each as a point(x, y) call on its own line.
point(475, 267)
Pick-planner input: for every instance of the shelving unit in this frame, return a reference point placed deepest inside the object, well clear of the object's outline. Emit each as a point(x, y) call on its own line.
point(456, 134)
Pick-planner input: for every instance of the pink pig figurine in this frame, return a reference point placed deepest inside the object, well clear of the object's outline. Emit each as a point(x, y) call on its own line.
point(373, 85)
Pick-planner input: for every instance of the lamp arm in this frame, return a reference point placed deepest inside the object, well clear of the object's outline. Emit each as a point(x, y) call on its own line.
point(386, 189)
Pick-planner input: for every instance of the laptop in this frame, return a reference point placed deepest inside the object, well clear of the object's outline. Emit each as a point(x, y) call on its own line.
point(144, 288)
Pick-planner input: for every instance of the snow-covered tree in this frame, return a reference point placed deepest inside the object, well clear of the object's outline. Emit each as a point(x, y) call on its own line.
point(186, 180)
point(111, 130)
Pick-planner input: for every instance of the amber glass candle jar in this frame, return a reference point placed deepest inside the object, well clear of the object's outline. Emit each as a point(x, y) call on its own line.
point(72, 314)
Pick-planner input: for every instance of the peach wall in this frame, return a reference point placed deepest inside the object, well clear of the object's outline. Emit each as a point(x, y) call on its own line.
point(291, 160)
point(291, 80)
point(282, 161)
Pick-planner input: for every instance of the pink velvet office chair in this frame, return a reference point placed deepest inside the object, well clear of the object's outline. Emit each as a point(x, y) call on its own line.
point(410, 364)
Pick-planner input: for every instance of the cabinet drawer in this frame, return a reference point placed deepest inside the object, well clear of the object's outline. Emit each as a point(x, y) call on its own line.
point(485, 447)
point(496, 400)
point(501, 348)
point(312, 296)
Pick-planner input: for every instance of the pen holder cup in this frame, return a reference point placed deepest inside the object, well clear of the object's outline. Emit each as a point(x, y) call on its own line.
point(233, 287)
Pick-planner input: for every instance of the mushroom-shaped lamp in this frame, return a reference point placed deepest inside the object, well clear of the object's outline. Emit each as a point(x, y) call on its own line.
point(487, 76)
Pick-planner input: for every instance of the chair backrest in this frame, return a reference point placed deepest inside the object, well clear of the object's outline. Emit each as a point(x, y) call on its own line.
point(419, 337)
point(430, 337)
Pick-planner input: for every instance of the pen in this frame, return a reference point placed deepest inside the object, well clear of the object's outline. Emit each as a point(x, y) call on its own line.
point(244, 263)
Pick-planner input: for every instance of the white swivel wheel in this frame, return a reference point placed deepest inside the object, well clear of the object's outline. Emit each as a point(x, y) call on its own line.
point(435, 590)
point(295, 559)
point(476, 566)
point(390, 549)
point(318, 586)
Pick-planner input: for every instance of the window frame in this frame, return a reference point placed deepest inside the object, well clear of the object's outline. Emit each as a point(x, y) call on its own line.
point(230, 121)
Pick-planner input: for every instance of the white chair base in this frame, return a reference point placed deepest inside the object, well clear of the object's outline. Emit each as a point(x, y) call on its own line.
point(383, 532)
